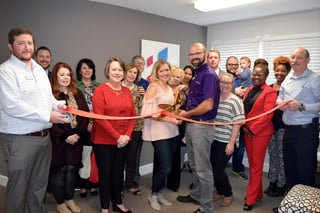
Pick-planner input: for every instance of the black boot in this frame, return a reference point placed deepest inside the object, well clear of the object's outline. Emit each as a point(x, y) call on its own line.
point(279, 191)
point(272, 186)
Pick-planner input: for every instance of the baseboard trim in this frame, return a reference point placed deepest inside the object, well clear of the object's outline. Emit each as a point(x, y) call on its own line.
point(3, 180)
point(146, 169)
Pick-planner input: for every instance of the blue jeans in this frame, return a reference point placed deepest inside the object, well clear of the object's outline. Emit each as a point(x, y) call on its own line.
point(238, 154)
point(199, 139)
point(162, 161)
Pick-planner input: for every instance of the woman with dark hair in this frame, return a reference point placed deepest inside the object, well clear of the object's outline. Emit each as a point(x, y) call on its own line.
point(67, 139)
point(257, 99)
point(111, 137)
point(131, 75)
point(260, 61)
point(86, 76)
point(188, 76)
point(277, 187)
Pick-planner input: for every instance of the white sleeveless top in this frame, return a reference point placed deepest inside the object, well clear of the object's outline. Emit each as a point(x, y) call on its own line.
point(158, 130)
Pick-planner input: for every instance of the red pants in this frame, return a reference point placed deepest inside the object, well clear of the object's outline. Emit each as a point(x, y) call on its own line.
point(256, 149)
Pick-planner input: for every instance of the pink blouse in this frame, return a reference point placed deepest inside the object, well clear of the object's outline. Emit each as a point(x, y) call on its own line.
point(158, 130)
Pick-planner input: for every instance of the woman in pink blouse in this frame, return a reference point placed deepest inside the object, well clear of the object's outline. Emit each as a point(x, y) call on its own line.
point(161, 131)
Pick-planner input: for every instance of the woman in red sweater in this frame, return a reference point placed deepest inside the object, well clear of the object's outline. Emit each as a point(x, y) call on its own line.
point(110, 137)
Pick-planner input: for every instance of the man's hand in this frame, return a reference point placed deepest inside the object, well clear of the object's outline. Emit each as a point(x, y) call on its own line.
point(57, 118)
point(183, 113)
point(61, 107)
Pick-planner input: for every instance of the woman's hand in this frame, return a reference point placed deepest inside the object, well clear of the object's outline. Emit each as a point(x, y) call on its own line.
point(247, 131)
point(89, 127)
point(229, 149)
point(72, 139)
point(122, 141)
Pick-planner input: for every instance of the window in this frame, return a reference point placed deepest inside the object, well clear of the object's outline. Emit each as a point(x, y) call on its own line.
point(269, 48)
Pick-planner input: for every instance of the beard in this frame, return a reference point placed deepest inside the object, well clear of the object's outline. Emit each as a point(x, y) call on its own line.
point(24, 56)
point(197, 62)
point(232, 73)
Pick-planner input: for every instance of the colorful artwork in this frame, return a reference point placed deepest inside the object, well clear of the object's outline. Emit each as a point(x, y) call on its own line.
point(153, 51)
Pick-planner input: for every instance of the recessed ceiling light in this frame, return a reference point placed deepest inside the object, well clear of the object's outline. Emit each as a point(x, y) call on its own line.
point(210, 5)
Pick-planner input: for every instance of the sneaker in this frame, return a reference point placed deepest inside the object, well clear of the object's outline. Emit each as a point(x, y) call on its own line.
point(163, 201)
point(153, 201)
point(241, 175)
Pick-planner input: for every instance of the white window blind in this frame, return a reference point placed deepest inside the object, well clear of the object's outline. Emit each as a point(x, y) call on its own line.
point(284, 45)
point(249, 48)
point(269, 48)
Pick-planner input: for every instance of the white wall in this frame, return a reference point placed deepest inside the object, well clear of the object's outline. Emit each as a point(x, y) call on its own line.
point(306, 22)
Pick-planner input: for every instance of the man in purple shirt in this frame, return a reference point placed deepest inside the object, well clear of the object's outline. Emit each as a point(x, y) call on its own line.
point(202, 105)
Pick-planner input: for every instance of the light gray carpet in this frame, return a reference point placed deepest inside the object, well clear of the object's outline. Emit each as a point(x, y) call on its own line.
point(140, 204)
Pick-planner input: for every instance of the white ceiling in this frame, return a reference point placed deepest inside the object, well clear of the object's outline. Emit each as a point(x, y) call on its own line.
point(183, 9)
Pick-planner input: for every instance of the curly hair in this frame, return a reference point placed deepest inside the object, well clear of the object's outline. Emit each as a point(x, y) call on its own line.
point(282, 60)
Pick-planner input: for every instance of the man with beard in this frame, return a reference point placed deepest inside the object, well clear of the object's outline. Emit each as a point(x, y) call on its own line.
point(25, 117)
point(232, 66)
point(202, 105)
point(43, 58)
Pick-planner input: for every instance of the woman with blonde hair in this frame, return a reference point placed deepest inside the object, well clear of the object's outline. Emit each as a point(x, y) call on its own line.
point(162, 131)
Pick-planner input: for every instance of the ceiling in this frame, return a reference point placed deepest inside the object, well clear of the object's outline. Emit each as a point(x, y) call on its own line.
point(183, 10)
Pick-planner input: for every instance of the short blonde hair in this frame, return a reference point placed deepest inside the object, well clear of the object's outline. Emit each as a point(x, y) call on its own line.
point(175, 68)
point(156, 67)
point(227, 75)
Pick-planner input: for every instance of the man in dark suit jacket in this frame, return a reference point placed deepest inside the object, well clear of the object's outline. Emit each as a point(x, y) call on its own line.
point(213, 60)
point(43, 57)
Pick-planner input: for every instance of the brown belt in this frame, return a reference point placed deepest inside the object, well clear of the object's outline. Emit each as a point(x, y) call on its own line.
point(42, 133)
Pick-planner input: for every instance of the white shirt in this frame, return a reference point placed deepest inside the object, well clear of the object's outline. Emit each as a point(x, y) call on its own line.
point(25, 97)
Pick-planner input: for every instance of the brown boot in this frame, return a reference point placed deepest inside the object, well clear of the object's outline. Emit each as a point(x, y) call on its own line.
point(72, 206)
point(226, 201)
point(62, 208)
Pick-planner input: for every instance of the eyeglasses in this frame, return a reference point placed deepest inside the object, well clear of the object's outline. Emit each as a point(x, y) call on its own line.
point(196, 53)
point(233, 64)
point(226, 83)
point(139, 63)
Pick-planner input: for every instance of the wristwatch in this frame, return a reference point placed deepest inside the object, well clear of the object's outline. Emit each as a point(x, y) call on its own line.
point(301, 108)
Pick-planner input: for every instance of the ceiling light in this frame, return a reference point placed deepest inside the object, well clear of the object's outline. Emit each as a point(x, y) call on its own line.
point(210, 5)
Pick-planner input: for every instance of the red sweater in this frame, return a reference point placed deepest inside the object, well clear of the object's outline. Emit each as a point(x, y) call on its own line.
point(107, 101)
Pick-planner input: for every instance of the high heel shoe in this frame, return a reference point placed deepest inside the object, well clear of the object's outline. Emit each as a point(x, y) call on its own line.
point(83, 193)
point(247, 206)
point(115, 208)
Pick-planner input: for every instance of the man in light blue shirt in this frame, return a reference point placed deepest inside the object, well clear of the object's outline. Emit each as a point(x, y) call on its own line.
point(301, 117)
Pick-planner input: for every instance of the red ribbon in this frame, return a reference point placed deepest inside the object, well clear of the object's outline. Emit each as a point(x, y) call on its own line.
point(156, 114)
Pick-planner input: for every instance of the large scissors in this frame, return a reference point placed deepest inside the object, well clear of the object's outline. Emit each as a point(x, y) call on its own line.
point(172, 108)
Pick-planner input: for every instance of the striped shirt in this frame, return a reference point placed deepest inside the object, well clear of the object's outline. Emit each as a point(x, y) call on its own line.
point(230, 109)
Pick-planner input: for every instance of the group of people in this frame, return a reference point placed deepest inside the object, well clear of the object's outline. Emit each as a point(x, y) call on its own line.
point(42, 147)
